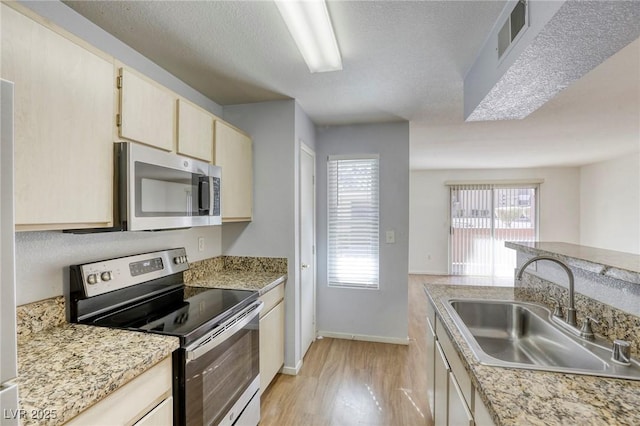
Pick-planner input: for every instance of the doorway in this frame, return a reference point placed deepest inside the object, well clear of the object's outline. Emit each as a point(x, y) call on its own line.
point(307, 248)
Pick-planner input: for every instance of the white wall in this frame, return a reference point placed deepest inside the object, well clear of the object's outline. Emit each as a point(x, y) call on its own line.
point(610, 204)
point(368, 314)
point(42, 258)
point(276, 129)
point(429, 218)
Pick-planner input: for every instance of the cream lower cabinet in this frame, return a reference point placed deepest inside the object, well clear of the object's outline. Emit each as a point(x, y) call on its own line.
point(455, 400)
point(64, 117)
point(271, 335)
point(146, 400)
point(233, 151)
point(441, 389)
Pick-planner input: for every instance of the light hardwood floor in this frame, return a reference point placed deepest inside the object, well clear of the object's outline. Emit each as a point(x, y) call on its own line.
point(348, 382)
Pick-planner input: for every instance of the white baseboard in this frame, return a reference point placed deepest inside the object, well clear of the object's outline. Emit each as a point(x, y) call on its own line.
point(365, 337)
point(292, 371)
point(428, 273)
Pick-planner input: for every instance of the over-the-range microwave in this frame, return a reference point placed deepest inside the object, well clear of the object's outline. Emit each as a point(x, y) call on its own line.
point(158, 190)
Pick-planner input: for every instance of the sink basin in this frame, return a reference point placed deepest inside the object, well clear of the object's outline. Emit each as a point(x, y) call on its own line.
point(523, 335)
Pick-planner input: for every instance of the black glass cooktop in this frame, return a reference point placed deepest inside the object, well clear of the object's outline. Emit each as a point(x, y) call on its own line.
point(186, 312)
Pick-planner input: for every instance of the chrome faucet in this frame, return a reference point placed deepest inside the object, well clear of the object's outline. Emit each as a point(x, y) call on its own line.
point(571, 309)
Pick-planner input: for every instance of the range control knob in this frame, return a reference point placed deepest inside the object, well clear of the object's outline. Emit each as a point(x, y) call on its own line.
point(106, 276)
point(180, 260)
point(92, 279)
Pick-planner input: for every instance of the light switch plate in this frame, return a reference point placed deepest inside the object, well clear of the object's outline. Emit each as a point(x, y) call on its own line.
point(391, 237)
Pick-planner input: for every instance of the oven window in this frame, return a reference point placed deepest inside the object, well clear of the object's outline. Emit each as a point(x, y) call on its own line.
point(216, 380)
point(161, 191)
point(225, 380)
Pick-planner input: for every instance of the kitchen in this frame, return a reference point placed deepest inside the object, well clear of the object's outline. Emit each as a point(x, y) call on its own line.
point(276, 127)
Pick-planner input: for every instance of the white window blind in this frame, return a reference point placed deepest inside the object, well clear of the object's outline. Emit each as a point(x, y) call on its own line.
point(353, 222)
point(483, 217)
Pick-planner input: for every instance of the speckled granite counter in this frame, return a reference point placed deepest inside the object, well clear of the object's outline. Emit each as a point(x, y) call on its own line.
point(233, 272)
point(63, 368)
point(608, 263)
point(525, 397)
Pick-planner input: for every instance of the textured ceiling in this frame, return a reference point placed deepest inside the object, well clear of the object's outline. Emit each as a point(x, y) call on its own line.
point(579, 37)
point(402, 60)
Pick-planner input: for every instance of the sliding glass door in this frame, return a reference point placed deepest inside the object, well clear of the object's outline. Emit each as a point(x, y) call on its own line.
point(483, 217)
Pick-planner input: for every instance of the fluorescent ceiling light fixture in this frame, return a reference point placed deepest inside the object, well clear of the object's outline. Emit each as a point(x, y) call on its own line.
point(310, 26)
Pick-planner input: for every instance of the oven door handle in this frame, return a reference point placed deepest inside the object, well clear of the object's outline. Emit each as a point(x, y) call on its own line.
point(224, 331)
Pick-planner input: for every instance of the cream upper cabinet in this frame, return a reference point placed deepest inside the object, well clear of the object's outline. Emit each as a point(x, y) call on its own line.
point(234, 153)
point(195, 131)
point(147, 111)
point(63, 105)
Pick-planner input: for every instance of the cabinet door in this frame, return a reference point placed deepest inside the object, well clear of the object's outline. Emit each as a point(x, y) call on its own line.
point(195, 131)
point(63, 127)
point(234, 153)
point(481, 414)
point(431, 359)
point(441, 400)
point(162, 415)
point(459, 413)
point(271, 345)
point(147, 111)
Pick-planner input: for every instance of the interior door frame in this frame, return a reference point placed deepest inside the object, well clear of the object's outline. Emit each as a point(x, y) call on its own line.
point(306, 149)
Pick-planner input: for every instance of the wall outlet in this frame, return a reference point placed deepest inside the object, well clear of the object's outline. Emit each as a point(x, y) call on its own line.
point(428, 257)
point(200, 243)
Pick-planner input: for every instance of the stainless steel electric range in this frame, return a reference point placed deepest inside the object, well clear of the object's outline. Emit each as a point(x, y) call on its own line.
point(216, 369)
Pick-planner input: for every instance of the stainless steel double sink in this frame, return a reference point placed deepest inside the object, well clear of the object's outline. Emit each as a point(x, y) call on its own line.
point(524, 335)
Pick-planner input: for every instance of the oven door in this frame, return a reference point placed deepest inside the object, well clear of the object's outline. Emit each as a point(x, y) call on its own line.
point(160, 190)
point(221, 372)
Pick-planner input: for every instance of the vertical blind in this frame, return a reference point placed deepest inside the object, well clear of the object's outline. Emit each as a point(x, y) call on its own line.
point(483, 217)
point(353, 222)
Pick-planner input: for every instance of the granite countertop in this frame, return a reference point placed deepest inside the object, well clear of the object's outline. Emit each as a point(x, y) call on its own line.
point(63, 370)
point(259, 274)
point(609, 263)
point(518, 397)
point(259, 281)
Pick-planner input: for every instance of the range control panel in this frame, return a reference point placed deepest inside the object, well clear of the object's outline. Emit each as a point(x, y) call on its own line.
point(114, 274)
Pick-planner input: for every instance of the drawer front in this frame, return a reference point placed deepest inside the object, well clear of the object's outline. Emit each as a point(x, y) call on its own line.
point(431, 312)
point(132, 401)
point(272, 298)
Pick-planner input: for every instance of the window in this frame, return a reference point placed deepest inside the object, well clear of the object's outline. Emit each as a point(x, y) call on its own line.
point(483, 217)
point(353, 222)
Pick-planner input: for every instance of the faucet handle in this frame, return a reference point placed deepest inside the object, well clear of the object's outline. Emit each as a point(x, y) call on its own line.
point(557, 312)
point(586, 331)
point(621, 352)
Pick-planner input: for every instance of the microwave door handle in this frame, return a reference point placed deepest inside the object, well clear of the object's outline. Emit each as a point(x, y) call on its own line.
point(212, 189)
point(204, 194)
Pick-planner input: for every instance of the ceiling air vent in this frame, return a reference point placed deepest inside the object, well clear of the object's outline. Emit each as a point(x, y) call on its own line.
point(513, 26)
